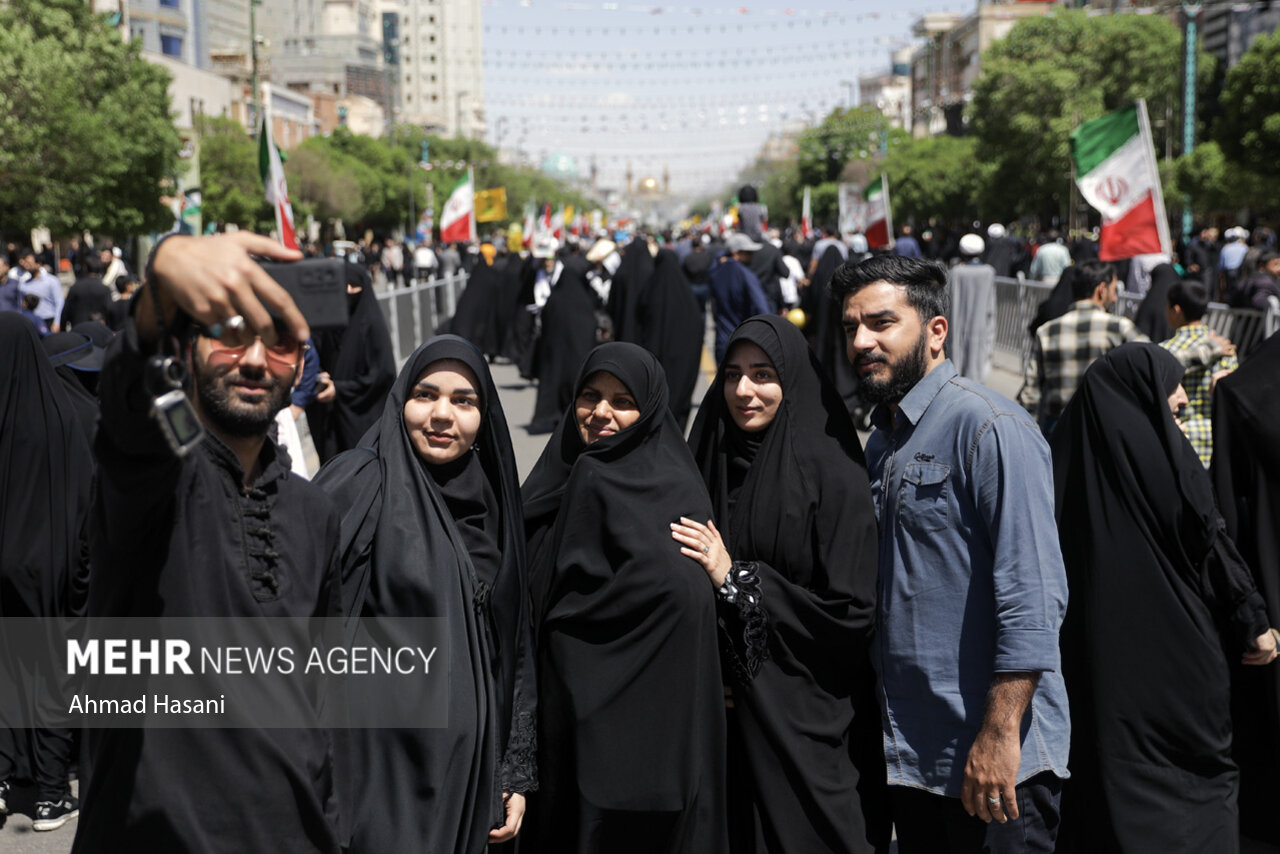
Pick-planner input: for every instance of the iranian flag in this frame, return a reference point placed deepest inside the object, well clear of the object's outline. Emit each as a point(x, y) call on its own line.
point(878, 218)
point(272, 171)
point(1115, 166)
point(806, 218)
point(456, 220)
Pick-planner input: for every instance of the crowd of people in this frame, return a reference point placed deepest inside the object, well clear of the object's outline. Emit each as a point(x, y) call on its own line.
point(731, 627)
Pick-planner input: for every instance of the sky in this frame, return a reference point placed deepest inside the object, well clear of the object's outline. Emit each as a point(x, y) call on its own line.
point(695, 89)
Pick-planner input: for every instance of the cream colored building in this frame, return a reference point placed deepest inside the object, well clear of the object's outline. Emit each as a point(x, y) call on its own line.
point(440, 75)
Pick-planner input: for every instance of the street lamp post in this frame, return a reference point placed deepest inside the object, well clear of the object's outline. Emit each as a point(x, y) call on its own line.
point(253, 62)
point(458, 112)
point(1191, 11)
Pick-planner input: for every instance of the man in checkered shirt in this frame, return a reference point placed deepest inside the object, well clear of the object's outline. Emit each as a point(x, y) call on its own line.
point(1206, 355)
point(1065, 348)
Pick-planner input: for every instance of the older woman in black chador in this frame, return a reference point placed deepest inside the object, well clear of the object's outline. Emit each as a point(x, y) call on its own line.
point(788, 482)
point(431, 527)
point(631, 721)
point(1159, 600)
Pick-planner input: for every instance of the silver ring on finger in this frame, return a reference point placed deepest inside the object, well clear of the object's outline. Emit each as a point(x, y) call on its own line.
point(994, 801)
point(706, 550)
point(235, 323)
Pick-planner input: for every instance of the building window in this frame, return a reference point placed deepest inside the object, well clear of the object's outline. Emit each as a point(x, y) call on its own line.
point(431, 19)
point(171, 45)
point(172, 4)
point(435, 97)
point(408, 99)
point(408, 78)
point(432, 39)
point(432, 58)
point(433, 78)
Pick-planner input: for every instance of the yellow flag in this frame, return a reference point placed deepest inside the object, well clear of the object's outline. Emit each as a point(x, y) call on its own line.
point(491, 205)
point(568, 215)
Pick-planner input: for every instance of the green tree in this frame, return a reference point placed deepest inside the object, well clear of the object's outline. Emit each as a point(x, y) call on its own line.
point(940, 177)
point(1050, 74)
point(1249, 130)
point(229, 178)
point(1218, 185)
point(844, 135)
point(86, 138)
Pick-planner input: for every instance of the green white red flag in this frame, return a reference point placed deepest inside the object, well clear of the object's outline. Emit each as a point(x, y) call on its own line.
point(457, 222)
point(806, 217)
point(271, 168)
point(1116, 171)
point(879, 221)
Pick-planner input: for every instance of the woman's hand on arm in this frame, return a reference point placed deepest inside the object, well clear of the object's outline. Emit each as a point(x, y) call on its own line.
point(704, 544)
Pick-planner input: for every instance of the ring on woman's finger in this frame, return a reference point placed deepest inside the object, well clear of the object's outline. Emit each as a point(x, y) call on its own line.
point(706, 550)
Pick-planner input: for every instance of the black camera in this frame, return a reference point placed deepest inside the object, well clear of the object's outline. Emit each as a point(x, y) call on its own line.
point(318, 287)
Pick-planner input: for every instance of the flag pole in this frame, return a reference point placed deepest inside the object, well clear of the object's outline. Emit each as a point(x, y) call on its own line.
point(471, 179)
point(888, 211)
point(1157, 191)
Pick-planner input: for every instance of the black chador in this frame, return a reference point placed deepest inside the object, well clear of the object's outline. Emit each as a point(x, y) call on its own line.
point(807, 768)
point(631, 709)
point(446, 540)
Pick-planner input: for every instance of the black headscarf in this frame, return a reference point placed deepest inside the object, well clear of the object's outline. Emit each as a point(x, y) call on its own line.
point(673, 331)
point(795, 499)
point(1150, 319)
point(442, 541)
point(1058, 302)
point(1155, 585)
point(1246, 475)
point(45, 471)
point(626, 293)
point(361, 363)
point(476, 317)
point(826, 331)
point(632, 714)
point(567, 334)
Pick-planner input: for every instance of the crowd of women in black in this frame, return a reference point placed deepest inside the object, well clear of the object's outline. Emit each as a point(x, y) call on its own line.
point(660, 644)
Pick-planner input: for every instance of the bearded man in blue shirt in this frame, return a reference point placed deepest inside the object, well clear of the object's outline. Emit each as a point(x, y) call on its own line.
point(972, 588)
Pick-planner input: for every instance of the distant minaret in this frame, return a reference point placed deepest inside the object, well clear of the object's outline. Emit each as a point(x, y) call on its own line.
point(629, 177)
point(666, 180)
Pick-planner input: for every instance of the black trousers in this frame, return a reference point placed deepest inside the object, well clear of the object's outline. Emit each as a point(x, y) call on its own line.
point(934, 824)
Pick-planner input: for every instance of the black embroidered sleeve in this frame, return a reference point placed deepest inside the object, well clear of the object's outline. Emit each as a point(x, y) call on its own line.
point(518, 771)
point(746, 624)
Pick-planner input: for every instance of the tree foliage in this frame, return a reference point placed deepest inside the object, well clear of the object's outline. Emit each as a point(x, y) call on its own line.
point(941, 177)
point(87, 138)
point(1219, 185)
point(1249, 129)
point(1051, 73)
point(230, 183)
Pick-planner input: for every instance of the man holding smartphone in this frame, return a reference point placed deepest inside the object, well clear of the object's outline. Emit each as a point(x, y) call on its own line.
point(222, 529)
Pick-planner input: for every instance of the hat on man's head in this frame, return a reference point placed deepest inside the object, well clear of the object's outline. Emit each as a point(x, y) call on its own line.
point(601, 250)
point(995, 231)
point(858, 243)
point(972, 244)
point(73, 350)
point(739, 242)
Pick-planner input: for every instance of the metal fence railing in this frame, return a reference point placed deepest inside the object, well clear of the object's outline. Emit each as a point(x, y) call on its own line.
point(1016, 304)
point(1244, 327)
point(1018, 299)
point(413, 313)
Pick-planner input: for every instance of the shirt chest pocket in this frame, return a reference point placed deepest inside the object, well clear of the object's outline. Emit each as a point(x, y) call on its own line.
point(923, 497)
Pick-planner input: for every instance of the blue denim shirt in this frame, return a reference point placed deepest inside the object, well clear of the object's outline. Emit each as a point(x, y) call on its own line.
point(971, 578)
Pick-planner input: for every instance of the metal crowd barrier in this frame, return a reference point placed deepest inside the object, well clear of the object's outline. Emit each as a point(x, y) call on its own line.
point(1018, 299)
point(414, 313)
point(1016, 304)
point(1244, 327)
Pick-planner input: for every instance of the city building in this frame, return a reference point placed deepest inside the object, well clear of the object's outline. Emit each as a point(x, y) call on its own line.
point(438, 50)
point(329, 46)
point(1227, 30)
point(890, 91)
point(166, 27)
point(946, 64)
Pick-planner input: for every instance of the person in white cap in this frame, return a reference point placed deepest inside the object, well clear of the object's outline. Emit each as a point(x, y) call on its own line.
point(1003, 252)
point(972, 286)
